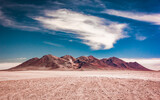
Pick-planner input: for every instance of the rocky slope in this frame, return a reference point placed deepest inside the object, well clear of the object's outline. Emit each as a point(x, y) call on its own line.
point(67, 62)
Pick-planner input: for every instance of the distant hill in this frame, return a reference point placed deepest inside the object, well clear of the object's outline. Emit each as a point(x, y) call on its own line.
point(67, 62)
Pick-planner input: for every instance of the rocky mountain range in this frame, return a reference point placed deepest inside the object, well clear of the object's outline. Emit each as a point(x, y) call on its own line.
point(67, 62)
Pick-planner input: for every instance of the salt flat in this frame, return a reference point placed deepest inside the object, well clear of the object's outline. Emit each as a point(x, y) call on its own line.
point(16, 75)
point(79, 85)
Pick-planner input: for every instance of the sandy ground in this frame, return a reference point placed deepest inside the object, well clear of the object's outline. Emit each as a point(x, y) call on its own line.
point(79, 85)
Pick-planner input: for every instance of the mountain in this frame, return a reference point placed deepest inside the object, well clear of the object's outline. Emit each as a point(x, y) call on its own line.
point(67, 62)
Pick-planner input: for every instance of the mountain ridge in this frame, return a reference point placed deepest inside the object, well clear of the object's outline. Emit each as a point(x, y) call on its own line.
point(67, 62)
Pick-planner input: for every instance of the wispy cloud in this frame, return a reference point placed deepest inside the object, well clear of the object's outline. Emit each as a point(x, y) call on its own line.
point(152, 18)
point(95, 32)
point(56, 2)
point(53, 44)
point(22, 58)
point(8, 22)
point(140, 38)
point(151, 63)
point(70, 40)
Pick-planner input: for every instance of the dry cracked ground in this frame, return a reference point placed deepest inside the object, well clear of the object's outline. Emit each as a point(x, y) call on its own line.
point(79, 85)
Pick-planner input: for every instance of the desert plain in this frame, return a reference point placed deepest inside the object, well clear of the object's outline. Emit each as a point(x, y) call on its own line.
point(80, 85)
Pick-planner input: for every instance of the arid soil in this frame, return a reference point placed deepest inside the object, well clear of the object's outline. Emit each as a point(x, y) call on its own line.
point(79, 85)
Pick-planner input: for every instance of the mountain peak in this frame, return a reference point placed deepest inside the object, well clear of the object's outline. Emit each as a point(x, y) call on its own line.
point(68, 57)
point(49, 56)
point(91, 57)
point(82, 57)
point(114, 58)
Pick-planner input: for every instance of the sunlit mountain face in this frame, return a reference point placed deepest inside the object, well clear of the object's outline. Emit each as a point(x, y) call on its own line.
point(127, 29)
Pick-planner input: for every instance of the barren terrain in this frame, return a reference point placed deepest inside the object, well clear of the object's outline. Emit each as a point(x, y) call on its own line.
point(79, 85)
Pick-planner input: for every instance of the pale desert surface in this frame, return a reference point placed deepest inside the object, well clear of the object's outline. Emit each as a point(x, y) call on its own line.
point(79, 85)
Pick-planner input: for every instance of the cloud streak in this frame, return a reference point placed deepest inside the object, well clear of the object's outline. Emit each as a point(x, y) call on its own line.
point(152, 18)
point(140, 38)
point(8, 22)
point(53, 44)
point(151, 63)
point(95, 32)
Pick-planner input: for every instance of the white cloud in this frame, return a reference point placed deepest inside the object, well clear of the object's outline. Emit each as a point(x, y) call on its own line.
point(22, 58)
point(140, 38)
point(53, 44)
point(95, 32)
point(8, 65)
point(57, 3)
point(8, 22)
point(152, 18)
point(151, 63)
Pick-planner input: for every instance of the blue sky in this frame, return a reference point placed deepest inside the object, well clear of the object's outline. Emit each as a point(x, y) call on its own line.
point(102, 28)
